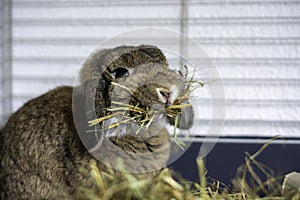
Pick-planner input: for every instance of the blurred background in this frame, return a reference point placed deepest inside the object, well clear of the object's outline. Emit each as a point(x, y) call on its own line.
point(255, 45)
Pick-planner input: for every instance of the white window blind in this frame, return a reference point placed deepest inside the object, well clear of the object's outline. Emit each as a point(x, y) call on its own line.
point(5, 61)
point(255, 45)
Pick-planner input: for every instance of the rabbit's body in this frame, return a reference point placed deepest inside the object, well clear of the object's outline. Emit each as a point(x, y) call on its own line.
point(42, 152)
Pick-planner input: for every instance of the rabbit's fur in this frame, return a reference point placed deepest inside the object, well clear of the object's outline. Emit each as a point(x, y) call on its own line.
point(41, 151)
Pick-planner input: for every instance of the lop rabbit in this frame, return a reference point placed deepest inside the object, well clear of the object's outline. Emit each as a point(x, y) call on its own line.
point(47, 141)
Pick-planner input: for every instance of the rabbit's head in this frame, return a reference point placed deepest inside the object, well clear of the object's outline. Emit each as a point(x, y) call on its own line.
point(133, 85)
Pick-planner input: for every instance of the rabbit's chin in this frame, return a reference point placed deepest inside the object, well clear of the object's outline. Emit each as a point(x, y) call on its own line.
point(157, 124)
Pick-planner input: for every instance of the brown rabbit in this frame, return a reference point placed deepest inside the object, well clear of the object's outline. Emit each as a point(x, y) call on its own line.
point(46, 141)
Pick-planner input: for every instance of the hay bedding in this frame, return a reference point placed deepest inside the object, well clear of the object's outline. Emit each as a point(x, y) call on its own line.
point(107, 186)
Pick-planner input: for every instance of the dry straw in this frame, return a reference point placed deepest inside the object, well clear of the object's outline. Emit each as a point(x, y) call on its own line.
point(108, 186)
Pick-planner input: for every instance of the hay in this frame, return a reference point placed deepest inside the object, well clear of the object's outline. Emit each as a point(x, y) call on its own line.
point(142, 114)
point(125, 186)
point(108, 186)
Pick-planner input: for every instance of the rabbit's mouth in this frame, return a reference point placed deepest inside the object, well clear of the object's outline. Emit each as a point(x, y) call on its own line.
point(134, 114)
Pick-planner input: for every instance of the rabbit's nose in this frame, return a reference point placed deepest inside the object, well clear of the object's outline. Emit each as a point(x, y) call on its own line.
point(163, 95)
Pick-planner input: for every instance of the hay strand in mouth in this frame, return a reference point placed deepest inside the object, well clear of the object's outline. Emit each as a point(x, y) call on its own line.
point(179, 143)
point(190, 84)
point(101, 119)
point(181, 99)
point(136, 110)
point(150, 121)
point(140, 115)
point(124, 104)
point(140, 128)
point(118, 123)
point(179, 106)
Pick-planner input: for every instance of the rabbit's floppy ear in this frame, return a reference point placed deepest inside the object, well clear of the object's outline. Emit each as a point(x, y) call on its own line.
point(155, 53)
point(94, 93)
point(130, 57)
point(92, 82)
point(94, 100)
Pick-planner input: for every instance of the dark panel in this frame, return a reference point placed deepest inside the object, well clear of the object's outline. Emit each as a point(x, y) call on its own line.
point(223, 161)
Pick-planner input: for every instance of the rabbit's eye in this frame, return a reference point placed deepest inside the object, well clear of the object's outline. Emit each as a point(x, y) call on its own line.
point(121, 72)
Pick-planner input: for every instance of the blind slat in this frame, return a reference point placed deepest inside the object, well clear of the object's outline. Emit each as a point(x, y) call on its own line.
point(254, 44)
